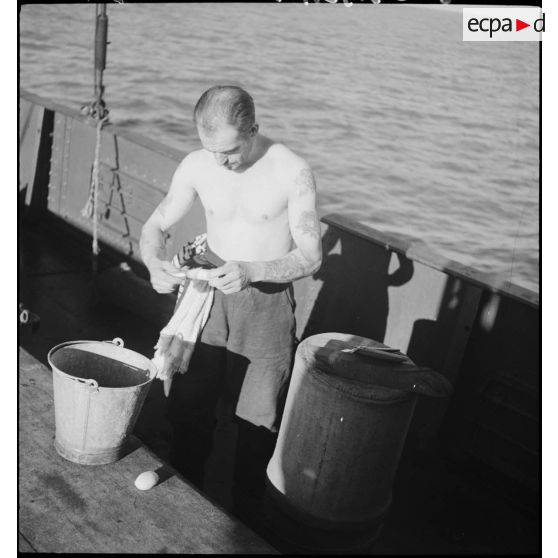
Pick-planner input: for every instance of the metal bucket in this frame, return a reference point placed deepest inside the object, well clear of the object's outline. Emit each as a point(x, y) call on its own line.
point(99, 389)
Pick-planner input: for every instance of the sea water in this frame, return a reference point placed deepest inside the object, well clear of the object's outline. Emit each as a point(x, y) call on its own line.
point(408, 129)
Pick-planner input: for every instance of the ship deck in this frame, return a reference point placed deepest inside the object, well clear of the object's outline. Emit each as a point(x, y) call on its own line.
point(66, 507)
point(439, 507)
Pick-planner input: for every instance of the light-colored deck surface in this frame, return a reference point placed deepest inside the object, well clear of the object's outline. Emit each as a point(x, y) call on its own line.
point(66, 507)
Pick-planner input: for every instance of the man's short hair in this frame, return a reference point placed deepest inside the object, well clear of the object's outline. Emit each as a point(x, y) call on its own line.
point(228, 104)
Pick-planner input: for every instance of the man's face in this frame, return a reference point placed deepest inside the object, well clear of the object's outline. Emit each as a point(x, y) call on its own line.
point(230, 148)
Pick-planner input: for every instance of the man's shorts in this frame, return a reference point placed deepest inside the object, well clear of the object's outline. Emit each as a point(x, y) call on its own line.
point(244, 354)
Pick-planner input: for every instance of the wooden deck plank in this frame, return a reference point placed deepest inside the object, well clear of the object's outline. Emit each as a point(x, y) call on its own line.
point(66, 507)
point(23, 545)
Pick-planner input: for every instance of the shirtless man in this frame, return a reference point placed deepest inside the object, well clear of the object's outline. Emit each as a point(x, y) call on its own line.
point(263, 233)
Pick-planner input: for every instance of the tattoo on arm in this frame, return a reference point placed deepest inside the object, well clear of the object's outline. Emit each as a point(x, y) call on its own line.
point(164, 205)
point(150, 246)
point(308, 224)
point(290, 267)
point(152, 239)
point(149, 242)
point(305, 182)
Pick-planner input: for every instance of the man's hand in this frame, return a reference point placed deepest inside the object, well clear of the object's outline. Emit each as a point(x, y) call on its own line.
point(232, 277)
point(164, 276)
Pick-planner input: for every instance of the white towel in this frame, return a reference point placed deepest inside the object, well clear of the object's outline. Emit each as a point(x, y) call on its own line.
point(178, 338)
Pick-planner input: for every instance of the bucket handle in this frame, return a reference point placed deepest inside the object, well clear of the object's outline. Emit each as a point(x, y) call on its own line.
point(116, 341)
point(90, 383)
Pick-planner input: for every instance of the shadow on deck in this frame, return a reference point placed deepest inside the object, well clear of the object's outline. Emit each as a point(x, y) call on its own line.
point(438, 507)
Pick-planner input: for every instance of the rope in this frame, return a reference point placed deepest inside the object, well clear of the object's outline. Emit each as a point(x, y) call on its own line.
point(90, 209)
point(97, 111)
point(95, 245)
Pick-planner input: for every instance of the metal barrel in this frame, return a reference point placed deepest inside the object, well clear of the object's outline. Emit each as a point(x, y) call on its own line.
point(99, 389)
point(329, 482)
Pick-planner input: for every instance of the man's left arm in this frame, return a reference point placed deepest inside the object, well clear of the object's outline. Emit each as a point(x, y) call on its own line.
point(304, 260)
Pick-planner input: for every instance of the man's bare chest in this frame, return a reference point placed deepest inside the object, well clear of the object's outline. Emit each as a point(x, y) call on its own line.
point(253, 198)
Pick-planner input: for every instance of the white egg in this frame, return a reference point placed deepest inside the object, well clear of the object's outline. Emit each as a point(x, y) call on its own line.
point(147, 480)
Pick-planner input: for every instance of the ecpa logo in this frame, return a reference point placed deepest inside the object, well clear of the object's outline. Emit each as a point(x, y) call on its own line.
point(503, 24)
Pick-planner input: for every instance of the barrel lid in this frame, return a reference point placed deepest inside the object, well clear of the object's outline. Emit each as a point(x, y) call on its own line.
point(326, 352)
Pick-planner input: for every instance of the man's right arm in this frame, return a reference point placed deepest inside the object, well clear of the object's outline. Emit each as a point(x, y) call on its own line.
point(164, 275)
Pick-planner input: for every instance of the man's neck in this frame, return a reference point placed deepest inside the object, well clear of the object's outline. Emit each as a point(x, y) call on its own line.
point(260, 145)
point(255, 150)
